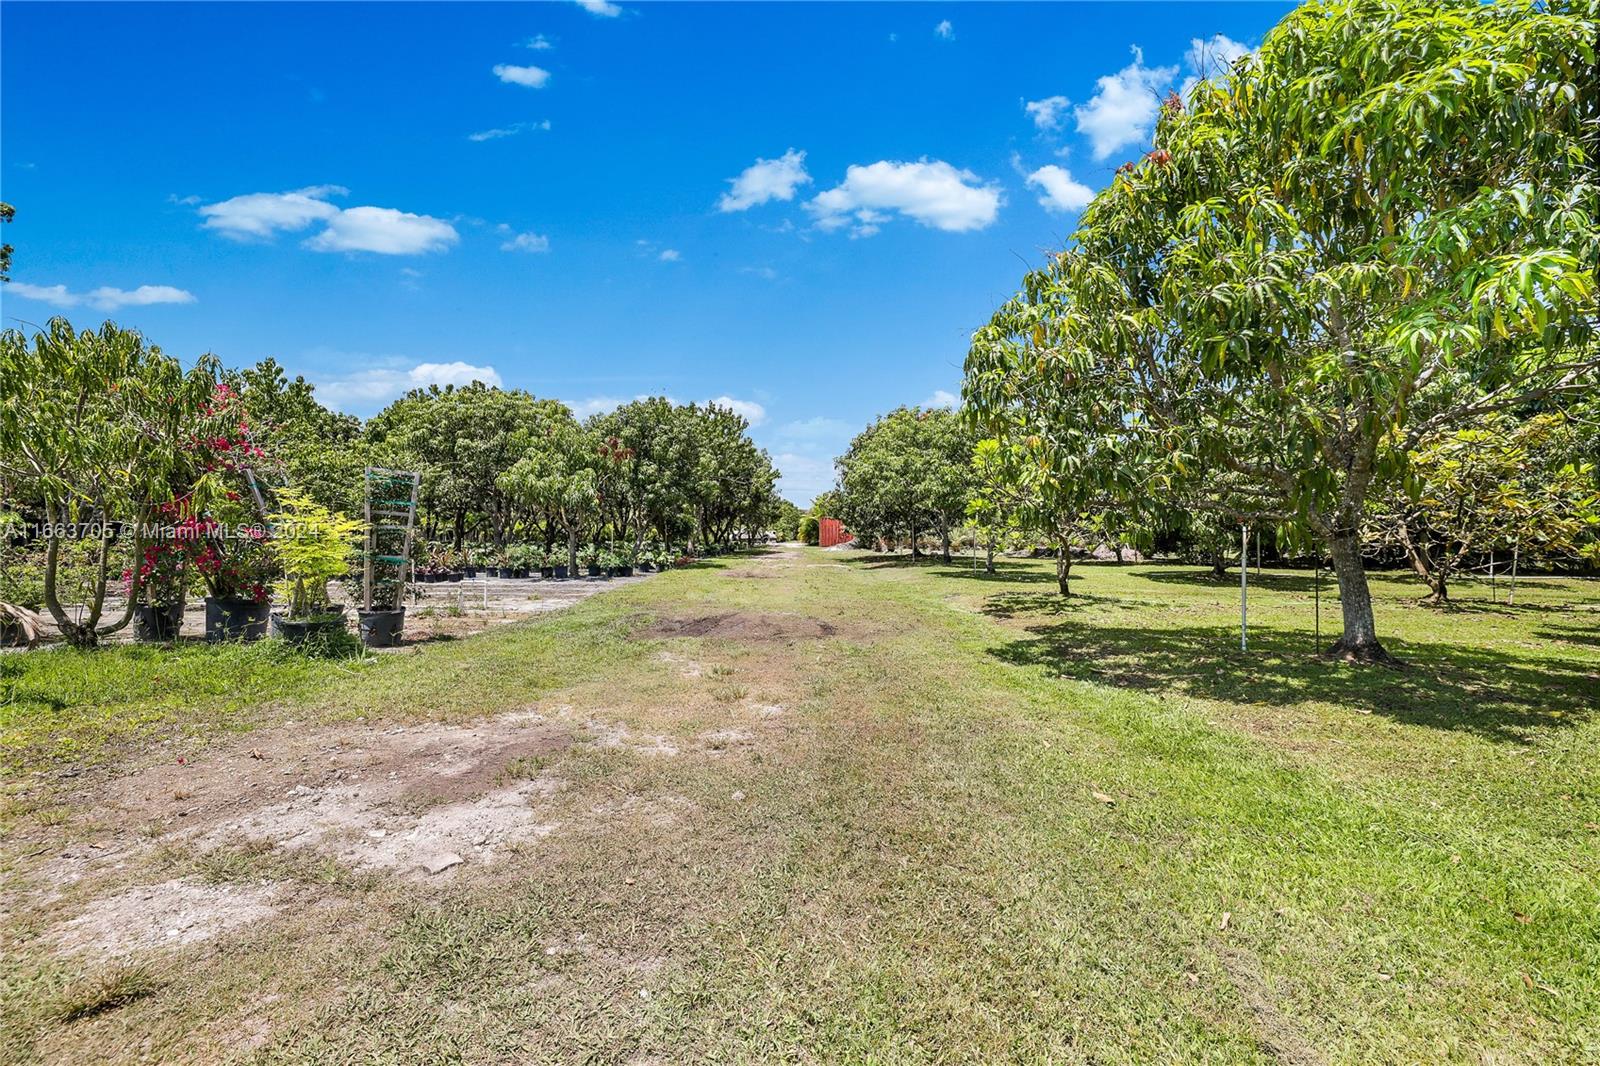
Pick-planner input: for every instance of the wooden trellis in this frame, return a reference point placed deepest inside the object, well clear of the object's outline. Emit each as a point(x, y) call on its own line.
point(391, 507)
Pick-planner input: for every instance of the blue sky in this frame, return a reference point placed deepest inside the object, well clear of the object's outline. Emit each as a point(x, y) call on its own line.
point(803, 209)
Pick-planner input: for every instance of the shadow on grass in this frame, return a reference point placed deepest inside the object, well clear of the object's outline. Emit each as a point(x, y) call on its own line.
point(1274, 582)
point(1503, 698)
point(961, 568)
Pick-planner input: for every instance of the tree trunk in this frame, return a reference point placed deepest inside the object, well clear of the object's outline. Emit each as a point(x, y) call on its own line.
point(1120, 560)
point(1063, 565)
point(944, 543)
point(572, 551)
point(914, 553)
point(988, 560)
point(1219, 565)
point(1360, 640)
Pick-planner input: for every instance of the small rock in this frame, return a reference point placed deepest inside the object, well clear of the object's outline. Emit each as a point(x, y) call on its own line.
point(738, 797)
point(442, 862)
point(377, 834)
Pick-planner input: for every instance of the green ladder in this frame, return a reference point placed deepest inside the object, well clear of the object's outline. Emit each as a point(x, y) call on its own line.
point(391, 495)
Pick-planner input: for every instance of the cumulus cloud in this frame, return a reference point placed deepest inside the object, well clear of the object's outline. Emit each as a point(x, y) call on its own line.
point(749, 410)
point(1211, 57)
point(1059, 191)
point(508, 131)
point(539, 43)
point(524, 242)
point(670, 255)
point(942, 398)
point(105, 298)
point(1049, 113)
point(764, 180)
point(932, 192)
point(374, 386)
point(383, 230)
point(1124, 107)
point(529, 77)
point(945, 31)
point(264, 214)
point(600, 8)
point(802, 477)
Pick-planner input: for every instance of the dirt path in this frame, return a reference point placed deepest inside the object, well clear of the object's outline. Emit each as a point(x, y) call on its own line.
point(227, 847)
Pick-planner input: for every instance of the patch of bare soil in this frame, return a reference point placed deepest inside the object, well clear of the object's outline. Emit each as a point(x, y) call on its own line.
point(741, 625)
point(164, 915)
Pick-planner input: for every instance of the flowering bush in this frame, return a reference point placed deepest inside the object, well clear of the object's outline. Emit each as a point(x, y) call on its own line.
point(162, 574)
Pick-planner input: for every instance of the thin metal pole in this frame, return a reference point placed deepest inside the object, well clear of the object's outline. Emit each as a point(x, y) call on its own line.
point(1511, 592)
point(1317, 646)
point(1493, 596)
point(1244, 588)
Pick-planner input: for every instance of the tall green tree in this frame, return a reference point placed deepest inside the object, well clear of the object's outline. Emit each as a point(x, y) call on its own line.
point(1376, 229)
point(99, 427)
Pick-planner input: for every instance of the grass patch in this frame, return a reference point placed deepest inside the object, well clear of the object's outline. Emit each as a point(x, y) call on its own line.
point(988, 824)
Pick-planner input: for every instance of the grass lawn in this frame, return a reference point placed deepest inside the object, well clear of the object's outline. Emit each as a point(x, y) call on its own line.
point(823, 807)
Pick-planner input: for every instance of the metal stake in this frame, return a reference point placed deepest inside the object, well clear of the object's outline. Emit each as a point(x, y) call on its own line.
point(1244, 588)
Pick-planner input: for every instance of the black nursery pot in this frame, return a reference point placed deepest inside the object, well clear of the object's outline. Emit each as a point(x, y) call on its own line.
point(157, 624)
point(624, 571)
point(455, 575)
point(547, 572)
point(596, 570)
point(381, 629)
point(235, 619)
point(519, 571)
point(298, 631)
point(472, 571)
point(561, 573)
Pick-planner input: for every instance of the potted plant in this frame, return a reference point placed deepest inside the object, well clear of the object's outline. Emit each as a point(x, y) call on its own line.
point(558, 564)
point(547, 563)
point(158, 612)
point(314, 545)
point(237, 561)
point(625, 561)
point(590, 557)
point(609, 564)
point(472, 562)
point(382, 624)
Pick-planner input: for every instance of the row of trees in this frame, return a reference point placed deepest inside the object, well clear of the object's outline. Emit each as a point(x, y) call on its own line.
point(103, 437)
point(1348, 298)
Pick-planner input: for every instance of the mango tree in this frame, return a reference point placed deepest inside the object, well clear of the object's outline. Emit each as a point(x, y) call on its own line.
point(1376, 229)
point(98, 427)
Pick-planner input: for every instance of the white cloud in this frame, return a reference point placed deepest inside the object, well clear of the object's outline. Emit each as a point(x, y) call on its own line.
point(375, 386)
point(1211, 58)
point(945, 31)
point(765, 272)
point(670, 255)
point(105, 298)
point(942, 398)
point(749, 410)
point(1049, 113)
point(600, 8)
point(263, 214)
point(1124, 106)
point(764, 180)
point(932, 192)
point(539, 43)
point(802, 478)
point(525, 242)
point(385, 231)
point(1061, 193)
point(529, 77)
point(356, 229)
point(820, 428)
point(508, 131)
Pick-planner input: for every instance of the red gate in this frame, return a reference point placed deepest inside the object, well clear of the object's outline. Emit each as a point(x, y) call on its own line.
point(830, 531)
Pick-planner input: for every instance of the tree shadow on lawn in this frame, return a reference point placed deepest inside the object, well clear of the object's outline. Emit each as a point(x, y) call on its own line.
point(960, 567)
point(1503, 698)
point(1274, 582)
